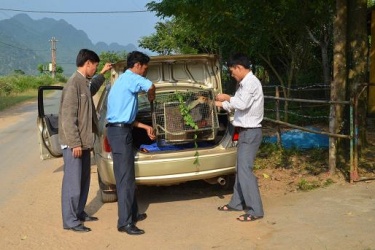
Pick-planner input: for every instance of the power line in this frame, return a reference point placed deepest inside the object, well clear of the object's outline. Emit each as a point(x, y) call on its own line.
point(77, 12)
point(66, 63)
point(10, 45)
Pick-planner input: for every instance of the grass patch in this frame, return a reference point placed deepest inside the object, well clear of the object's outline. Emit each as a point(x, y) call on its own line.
point(328, 182)
point(313, 161)
point(293, 169)
point(305, 185)
point(18, 88)
point(14, 99)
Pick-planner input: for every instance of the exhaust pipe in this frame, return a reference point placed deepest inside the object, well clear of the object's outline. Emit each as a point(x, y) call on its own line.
point(220, 180)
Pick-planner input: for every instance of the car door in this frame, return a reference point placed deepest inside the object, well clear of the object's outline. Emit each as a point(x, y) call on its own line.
point(47, 121)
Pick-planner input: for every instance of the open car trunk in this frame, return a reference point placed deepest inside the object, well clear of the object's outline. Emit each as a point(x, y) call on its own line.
point(183, 114)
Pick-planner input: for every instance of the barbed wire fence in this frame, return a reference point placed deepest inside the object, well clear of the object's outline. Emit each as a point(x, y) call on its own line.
point(310, 105)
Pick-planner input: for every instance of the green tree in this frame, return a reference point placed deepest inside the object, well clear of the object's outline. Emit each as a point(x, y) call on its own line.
point(277, 34)
point(19, 72)
point(43, 68)
point(112, 57)
point(274, 33)
point(163, 41)
point(59, 69)
point(177, 36)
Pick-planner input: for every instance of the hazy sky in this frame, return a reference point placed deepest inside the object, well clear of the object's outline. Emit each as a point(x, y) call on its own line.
point(122, 28)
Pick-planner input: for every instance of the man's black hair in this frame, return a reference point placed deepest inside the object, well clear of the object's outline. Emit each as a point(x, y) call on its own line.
point(86, 55)
point(136, 57)
point(239, 59)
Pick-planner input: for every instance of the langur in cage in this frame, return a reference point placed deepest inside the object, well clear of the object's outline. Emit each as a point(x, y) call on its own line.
point(201, 109)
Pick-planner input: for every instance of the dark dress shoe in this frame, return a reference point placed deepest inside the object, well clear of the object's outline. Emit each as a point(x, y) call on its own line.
point(89, 218)
point(131, 229)
point(79, 229)
point(140, 217)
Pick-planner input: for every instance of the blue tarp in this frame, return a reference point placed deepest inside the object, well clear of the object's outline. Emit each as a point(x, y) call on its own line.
point(290, 139)
point(300, 139)
point(164, 146)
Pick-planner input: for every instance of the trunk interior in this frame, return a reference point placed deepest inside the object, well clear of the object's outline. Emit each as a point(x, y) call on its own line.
point(173, 133)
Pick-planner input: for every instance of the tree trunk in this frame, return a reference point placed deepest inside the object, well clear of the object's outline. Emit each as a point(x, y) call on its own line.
point(325, 58)
point(357, 66)
point(338, 85)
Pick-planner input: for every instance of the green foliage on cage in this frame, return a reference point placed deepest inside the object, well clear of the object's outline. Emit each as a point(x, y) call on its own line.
point(188, 119)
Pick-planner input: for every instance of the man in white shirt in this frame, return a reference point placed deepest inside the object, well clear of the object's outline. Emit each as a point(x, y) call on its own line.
point(248, 104)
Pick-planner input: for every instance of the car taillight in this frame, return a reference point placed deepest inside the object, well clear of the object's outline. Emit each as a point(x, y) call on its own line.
point(106, 146)
point(235, 135)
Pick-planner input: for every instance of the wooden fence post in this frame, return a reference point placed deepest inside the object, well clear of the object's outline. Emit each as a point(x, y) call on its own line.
point(278, 132)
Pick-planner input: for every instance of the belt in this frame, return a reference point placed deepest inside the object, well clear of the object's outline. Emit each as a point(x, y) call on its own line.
point(118, 124)
point(242, 129)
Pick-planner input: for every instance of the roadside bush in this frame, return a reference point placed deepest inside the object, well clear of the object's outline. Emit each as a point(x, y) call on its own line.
point(5, 88)
point(17, 83)
point(61, 78)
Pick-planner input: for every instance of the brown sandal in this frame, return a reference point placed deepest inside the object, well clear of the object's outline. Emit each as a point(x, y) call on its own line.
point(227, 208)
point(248, 217)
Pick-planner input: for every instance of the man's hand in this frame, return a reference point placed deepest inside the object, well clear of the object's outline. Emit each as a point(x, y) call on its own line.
point(77, 152)
point(222, 97)
point(105, 68)
point(150, 132)
point(218, 104)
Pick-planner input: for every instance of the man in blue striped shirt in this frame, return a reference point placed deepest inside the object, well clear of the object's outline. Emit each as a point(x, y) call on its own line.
point(248, 106)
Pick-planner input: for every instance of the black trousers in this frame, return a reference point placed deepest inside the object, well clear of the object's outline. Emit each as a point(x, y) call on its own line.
point(121, 142)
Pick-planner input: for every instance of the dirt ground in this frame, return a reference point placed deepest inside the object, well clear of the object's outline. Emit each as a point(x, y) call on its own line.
point(339, 216)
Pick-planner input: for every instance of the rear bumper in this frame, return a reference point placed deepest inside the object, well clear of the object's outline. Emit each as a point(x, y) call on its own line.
point(173, 171)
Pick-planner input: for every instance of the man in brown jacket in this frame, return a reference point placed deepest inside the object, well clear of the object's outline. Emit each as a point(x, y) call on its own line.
point(77, 125)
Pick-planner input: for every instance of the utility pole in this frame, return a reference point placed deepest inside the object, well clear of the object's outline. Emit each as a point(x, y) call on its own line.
point(53, 55)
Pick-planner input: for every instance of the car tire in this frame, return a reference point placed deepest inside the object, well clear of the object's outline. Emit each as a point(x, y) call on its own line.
point(107, 193)
point(108, 196)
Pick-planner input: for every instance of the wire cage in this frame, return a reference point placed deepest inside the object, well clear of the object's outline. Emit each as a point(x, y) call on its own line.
point(176, 113)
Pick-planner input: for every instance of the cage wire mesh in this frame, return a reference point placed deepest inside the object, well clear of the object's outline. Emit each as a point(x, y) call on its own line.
point(171, 125)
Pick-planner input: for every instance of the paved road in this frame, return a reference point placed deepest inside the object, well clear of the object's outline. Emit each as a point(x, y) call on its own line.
point(18, 149)
point(341, 216)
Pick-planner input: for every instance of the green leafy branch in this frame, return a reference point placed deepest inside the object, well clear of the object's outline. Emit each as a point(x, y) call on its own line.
point(189, 121)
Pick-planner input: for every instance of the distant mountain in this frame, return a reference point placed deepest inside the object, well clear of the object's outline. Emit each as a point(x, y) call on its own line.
point(25, 43)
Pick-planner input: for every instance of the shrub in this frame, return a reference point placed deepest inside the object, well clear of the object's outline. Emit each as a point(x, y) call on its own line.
point(61, 78)
point(305, 185)
point(18, 83)
point(5, 88)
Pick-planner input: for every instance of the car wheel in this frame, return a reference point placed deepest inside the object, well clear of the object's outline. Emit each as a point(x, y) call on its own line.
point(107, 193)
point(108, 196)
